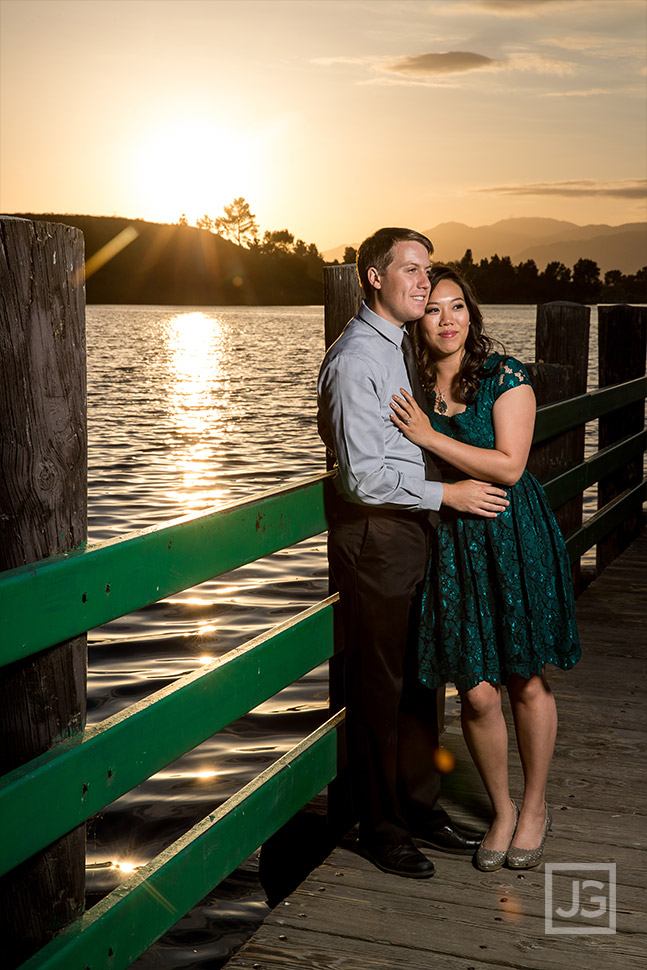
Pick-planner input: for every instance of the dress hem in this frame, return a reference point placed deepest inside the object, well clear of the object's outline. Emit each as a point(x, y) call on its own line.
point(498, 680)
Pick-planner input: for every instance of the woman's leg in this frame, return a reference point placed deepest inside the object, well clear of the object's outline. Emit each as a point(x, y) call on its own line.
point(486, 735)
point(535, 719)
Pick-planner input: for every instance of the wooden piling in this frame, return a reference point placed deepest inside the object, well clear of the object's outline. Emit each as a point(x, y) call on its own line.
point(622, 343)
point(43, 512)
point(342, 297)
point(562, 338)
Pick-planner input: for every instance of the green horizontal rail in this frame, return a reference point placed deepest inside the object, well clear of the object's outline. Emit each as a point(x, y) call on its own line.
point(565, 486)
point(605, 521)
point(118, 929)
point(82, 775)
point(83, 589)
point(554, 419)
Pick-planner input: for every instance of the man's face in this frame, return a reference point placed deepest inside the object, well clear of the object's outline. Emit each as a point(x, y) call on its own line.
point(401, 291)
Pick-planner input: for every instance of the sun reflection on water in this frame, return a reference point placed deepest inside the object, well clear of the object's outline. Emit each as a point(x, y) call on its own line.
point(198, 398)
point(202, 774)
point(194, 339)
point(124, 866)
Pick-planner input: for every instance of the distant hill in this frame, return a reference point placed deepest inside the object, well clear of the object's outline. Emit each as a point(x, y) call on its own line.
point(184, 266)
point(626, 251)
point(621, 247)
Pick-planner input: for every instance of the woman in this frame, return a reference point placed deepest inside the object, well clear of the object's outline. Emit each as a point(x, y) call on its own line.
point(498, 601)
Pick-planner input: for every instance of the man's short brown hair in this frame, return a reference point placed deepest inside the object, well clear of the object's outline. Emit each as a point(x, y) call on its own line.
point(377, 251)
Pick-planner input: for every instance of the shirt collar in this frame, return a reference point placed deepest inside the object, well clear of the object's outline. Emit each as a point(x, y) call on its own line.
point(385, 327)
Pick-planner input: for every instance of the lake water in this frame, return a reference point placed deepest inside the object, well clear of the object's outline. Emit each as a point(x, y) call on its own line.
point(190, 409)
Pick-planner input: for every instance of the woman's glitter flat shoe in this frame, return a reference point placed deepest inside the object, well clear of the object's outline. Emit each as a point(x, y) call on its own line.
point(528, 858)
point(489, 860)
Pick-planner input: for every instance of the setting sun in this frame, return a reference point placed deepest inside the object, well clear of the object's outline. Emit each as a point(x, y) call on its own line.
point(195, 167)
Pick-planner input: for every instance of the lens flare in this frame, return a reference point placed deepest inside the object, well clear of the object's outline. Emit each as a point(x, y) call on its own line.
point(511, 908)
point(444, 760)
point(125, 866)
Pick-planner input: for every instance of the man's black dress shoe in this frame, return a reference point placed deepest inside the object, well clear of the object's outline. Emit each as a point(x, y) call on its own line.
point(448, 838)
point(401, 859)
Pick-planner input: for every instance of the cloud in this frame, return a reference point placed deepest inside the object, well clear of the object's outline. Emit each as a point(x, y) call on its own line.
point(424, 68)
point(448, 62)
point(620, 189)
point(331, 61)
point(521, 8)
point(507, 8)
point(583, 93)
point(583, 42)
point(438, 67)
point(601, 46)
point(538, 63)
point(512, 4)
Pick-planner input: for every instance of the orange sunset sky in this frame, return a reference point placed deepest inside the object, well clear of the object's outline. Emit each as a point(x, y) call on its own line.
point(331, 117)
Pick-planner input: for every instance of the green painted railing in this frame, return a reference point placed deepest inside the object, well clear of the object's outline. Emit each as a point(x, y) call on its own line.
point(563, 416)
point(82, 590)
point(125, 923)
point(82, 775)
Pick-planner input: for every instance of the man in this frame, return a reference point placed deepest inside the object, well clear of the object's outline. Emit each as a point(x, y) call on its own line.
point(387, 500)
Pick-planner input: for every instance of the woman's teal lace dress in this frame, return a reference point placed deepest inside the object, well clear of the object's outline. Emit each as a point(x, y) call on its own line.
point(498, 597)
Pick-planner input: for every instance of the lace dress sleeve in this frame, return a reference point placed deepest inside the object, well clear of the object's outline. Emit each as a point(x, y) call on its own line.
point(510, 373)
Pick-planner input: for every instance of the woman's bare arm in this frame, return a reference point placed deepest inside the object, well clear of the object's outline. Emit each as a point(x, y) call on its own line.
point(513, 416)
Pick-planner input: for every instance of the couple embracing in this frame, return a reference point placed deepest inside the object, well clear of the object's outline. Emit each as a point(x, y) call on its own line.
point(461, 576)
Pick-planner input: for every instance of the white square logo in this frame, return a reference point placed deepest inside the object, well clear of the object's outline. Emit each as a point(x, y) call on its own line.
point(580, 898)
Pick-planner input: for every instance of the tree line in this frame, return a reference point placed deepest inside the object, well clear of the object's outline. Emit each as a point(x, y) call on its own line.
point(238, 224)
point(498, 280)
point(495, 280)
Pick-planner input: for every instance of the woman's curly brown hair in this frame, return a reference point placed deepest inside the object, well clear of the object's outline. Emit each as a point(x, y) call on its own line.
point(477, 346)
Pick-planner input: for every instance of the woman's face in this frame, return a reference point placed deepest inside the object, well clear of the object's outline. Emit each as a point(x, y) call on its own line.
point(445, 325)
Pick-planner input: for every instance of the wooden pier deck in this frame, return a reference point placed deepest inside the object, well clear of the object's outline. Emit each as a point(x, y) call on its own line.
point(349, 916)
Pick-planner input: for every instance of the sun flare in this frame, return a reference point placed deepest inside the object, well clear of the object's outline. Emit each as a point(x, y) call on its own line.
point(196, 168)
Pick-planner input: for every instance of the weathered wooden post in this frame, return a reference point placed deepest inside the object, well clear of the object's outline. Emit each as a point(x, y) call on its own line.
point(43, 512)
point(342, 297)
point(562, 337)
point(622, 341)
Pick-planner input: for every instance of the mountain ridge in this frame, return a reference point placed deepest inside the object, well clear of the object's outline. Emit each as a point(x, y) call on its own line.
point(543, 239)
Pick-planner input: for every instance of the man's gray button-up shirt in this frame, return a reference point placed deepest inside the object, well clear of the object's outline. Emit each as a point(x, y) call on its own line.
point(359, 375)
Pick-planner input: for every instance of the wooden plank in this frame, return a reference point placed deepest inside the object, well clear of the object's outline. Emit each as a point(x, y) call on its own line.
point(446, 923)
point(460, 887)
point(89, 587)
point(457, 895)
point(78, 778)
point(327, 951)
point(458, 877)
